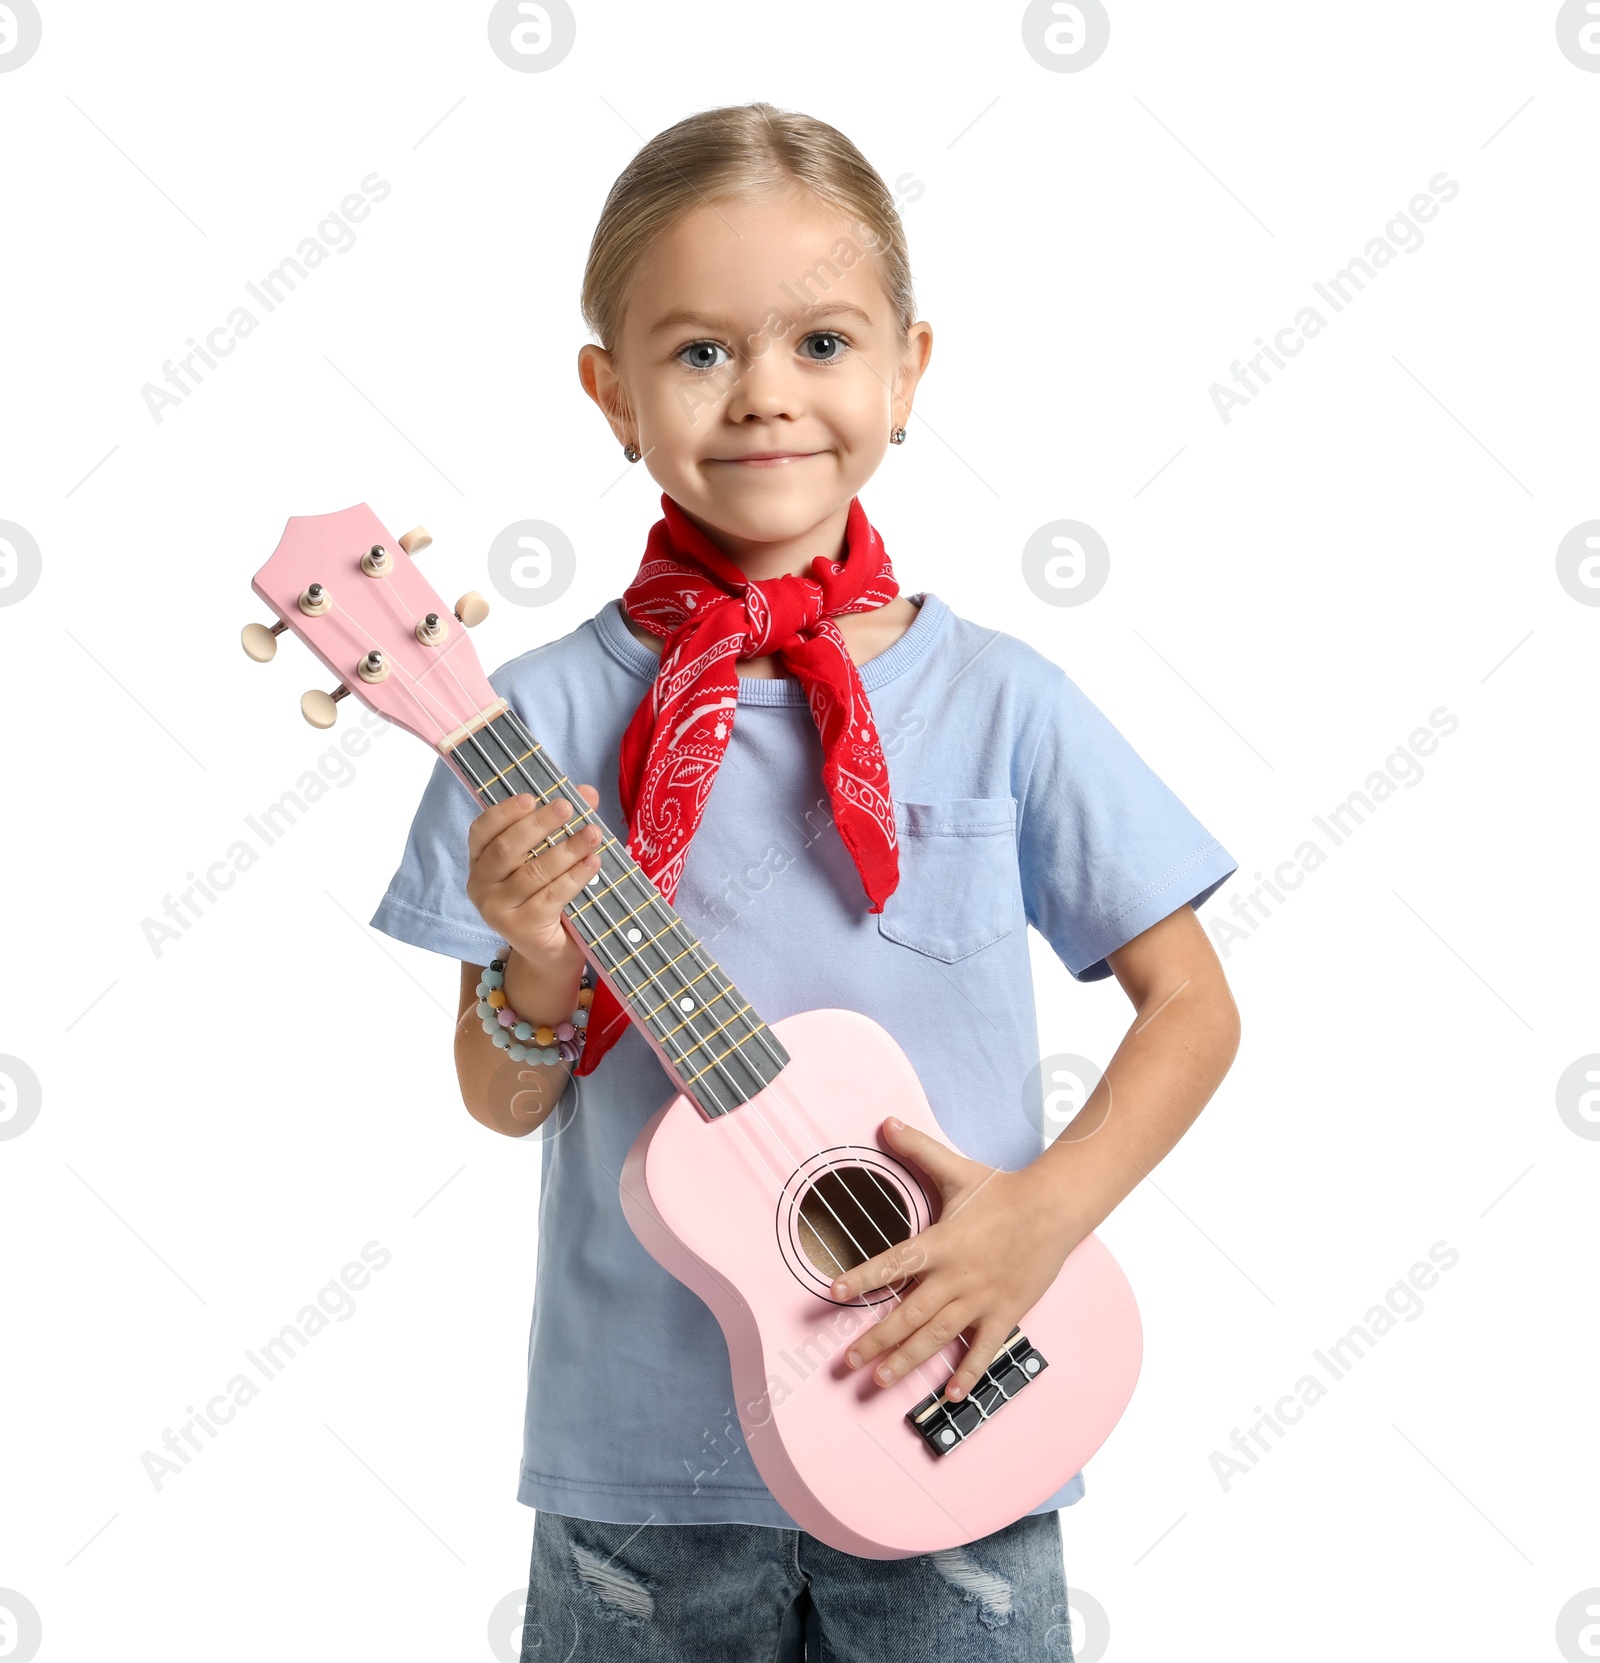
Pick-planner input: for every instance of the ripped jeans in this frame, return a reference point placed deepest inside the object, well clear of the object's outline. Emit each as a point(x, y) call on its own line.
point(743, 1593)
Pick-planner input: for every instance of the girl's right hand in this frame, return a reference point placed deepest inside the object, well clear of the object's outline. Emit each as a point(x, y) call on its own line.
point(521, 900)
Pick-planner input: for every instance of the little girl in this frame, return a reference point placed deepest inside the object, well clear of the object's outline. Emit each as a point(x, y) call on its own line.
point(865, 814)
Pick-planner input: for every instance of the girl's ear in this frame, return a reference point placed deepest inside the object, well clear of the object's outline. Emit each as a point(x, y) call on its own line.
point(598, 376)
point(908, 372)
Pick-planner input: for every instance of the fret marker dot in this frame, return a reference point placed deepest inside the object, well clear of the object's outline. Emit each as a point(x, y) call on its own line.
point(635, 935)
point(686, 1004)
point(593, 881)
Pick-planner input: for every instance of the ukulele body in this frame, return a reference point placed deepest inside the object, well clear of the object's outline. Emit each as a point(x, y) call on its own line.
point(746, 1208)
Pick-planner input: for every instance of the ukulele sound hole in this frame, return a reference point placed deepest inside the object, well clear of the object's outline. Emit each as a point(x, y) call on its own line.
point(850, 1215)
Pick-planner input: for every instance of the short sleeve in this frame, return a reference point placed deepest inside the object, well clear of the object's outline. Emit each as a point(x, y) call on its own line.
point(426, 902)
point(1105, 849)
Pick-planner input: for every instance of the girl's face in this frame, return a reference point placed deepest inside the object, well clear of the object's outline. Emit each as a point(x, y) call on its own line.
point(749, 335)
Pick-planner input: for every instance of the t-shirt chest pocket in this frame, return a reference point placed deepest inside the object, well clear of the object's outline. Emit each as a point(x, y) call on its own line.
point(959, 890)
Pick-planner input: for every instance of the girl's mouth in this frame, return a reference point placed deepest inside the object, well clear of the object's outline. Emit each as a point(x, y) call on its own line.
point(767, 458)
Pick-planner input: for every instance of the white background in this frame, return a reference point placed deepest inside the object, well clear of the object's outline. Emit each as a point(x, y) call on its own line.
point(1290, 594)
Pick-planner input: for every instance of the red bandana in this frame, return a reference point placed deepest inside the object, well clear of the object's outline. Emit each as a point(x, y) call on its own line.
point(708, 615)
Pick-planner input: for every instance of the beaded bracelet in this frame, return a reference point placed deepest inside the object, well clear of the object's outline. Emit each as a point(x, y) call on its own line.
point(523, 1041)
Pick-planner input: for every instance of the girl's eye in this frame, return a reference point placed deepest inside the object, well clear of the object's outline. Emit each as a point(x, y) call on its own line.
point(700, 360)
point(701, 356)
point(829, 335)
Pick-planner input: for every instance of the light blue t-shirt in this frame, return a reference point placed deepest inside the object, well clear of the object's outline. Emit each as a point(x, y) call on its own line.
point(1017, 803)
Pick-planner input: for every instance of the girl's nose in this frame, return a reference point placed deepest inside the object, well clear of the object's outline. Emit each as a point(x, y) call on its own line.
point(765, 386)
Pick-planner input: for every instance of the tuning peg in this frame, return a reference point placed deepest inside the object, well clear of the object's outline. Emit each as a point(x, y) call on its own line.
point(416, 540)
point(472, 609)
point(261, 641)
point(319, 708)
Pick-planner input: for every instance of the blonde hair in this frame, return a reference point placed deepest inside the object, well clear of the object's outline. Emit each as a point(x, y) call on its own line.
point(737, 150)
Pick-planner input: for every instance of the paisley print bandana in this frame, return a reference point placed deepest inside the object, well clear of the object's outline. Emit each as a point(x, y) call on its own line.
point(709, 615)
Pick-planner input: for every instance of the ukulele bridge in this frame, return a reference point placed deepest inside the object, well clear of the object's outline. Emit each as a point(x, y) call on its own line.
point(942, 1426)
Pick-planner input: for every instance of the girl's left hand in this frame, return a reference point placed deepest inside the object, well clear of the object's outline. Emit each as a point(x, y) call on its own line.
point(998, 1243)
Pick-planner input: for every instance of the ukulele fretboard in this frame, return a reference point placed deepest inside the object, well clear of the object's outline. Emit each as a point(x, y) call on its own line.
point(720, 1050)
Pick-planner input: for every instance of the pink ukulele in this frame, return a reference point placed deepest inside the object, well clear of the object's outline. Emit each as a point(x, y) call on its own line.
point(762, 1177)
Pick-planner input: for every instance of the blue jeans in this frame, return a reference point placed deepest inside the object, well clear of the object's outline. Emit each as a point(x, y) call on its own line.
point(742, 1593)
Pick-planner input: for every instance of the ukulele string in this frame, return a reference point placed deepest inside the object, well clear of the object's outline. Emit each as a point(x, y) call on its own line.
point(758, 1032)
point(758, 1029)
point(787, 1090)
point(741, 1121)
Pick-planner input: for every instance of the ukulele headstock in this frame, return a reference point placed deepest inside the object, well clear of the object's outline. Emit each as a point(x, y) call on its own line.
point(353, 594)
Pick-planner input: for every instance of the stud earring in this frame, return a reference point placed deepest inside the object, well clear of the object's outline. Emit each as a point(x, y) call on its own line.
point(631, 454)
point(897, 436)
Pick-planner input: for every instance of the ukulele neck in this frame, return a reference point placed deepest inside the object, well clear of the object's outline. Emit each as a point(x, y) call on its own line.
point(715, 1046)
